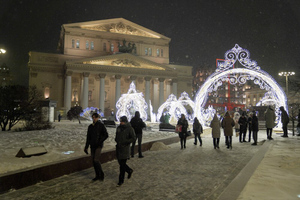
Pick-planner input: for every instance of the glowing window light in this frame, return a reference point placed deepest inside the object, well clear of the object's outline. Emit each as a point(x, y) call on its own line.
point(226, 73)
point(131, 102)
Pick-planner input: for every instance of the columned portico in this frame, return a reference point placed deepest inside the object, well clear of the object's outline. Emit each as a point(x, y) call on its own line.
point(68, 94)
point(85, 92)
point(161, 91)
point(102, 91)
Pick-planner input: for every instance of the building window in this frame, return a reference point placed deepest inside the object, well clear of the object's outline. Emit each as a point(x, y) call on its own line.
point(161, 53)
point(92, 45)
point(90, 95)
point(77, 44)
point(150, 52)
point(146, 51)
point(75, 95)
point(112, 47)
point(157, 52)
point(73, 43)
point(87, 45)
point(104, 46)
point(47, 92)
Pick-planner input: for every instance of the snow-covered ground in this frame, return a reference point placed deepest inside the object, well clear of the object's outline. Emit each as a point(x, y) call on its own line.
point(66, 140)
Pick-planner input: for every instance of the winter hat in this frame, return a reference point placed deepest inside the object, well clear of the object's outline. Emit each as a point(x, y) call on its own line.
point(124, 119)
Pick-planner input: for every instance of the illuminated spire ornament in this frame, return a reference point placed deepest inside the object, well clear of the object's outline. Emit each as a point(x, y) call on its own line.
point(225, 72)
point(131, 102)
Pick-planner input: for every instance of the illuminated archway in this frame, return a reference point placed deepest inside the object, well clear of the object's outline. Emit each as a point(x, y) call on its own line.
point(130, 102)
point(226, 72)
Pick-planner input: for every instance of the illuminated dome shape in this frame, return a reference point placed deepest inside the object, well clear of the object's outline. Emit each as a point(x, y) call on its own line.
point(177, 107)
point(226, 72)
point(131, 102)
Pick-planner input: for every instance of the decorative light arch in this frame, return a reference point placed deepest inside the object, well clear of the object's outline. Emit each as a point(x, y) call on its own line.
point(131, 102)
point(226, 72)
point(176, 107)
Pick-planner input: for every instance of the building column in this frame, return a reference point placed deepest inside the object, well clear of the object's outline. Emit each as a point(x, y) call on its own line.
point(147, 92)
point(118, 88)
point(68, 91)
point(85, 92)
point(102, 92)
point(161, 91)
point(174, 88)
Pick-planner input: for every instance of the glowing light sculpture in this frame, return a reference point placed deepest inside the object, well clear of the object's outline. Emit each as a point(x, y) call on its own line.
point(176, 107)
point(88, 112)
point(226, 72)
point(130, 102)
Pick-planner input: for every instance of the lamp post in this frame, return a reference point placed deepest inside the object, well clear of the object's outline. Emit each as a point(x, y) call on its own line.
point(286, 74)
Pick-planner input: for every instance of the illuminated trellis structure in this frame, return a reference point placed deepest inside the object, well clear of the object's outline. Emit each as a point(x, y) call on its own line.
point(226, 72)
point(176, 107)
point(131, 102)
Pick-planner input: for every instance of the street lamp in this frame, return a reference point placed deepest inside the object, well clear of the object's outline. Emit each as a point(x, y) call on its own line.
point(286, 74)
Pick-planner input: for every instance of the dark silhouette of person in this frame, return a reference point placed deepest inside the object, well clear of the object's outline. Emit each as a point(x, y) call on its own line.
point(254, 128)
point(250, 126)
point(285, 119)
point(228, 124)
point(137, 124)
point(197, 130)
point(298, 125)
point(183, 133)
point(215, 132)
point(243, 127)
point(124, 137)
point(59, 117)
point(96, 135)
point(270, 121)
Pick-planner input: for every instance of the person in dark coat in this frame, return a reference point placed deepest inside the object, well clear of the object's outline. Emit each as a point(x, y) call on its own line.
point(96, 135)
point(138, 125)
point(197, 130)
point(254, 128)
point(124, 137)
point(183, 134)
point(298, 125)
point(270, 121)
point(285, 119)
point(243, 127)
point(216, 133)
point(250, 125)
point(227, 124)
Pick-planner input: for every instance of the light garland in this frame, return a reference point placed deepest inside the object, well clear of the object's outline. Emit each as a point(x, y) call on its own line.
point(131, 102)
point(89, 111)
point(226, 72)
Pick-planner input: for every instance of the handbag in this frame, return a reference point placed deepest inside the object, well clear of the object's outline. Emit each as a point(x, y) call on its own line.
point(178, 128)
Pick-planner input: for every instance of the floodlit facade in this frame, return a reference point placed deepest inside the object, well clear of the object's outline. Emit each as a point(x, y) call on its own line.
point(99, 59)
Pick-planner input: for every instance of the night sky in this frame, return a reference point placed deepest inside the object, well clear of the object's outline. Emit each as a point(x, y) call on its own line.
point(201, 31)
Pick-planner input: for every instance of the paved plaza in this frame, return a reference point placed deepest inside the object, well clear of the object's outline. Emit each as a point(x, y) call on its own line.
point(193, 173)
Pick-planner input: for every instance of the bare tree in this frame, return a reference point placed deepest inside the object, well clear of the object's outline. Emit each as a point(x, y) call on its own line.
point(74, 112)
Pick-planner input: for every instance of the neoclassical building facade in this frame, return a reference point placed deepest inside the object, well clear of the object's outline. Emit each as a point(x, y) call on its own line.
point(99, 59)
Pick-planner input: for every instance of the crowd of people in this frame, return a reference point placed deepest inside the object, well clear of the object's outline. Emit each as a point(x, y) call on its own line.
point(128, 132)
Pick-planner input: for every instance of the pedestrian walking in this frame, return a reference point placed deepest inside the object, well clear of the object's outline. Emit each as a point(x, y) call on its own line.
point(228, 124)
point(243, 127)
point(197, 130)
point(285, 119)
point(96, 135)
point(250, 126)
point(216, 133)
point(254, 128)
point(124, 137)
point(236, 118)
point(137, 124)
point(183, 132)
point(298, 125)
point(270, 121)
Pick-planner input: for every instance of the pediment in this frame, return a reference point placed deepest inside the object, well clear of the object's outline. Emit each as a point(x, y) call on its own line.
point(122, 60)
point(117, 25)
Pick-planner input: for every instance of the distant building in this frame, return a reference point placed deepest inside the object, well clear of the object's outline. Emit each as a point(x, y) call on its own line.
point(99, 59)
point(5, 76)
